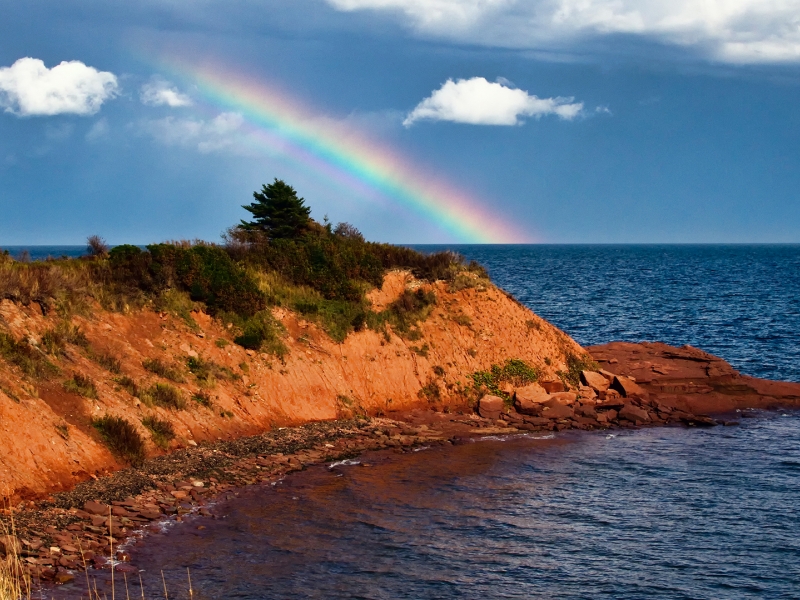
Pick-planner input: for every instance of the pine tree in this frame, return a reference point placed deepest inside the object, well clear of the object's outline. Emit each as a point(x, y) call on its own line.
point(278, 211)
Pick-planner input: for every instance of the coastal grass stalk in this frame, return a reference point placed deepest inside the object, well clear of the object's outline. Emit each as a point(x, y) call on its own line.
point(15, 583)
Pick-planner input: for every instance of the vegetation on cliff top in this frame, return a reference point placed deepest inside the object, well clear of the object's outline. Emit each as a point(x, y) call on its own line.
point(281, 258)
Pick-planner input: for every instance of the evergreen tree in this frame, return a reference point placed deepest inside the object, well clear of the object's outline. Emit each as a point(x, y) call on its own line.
point(277, 211)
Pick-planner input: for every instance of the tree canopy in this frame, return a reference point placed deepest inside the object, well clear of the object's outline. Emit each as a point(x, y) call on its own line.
point(277, 211)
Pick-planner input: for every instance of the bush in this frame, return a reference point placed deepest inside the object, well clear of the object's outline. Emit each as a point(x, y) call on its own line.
point(161, 431)
point(576, 364)
point(81, 385)
point(161, 369)
point(203, 399)
point(514, 371)
point(164, 395)
point(261, 332)
point(121, 437)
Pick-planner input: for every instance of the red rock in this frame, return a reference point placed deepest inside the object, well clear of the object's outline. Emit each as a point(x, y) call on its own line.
point(595, 381)
point(556, 410)
point(627, 387)
point(634, 413)
point(528, 399)
point(490, 407)
point(586, 411)
point(564, 397)
point(96, 508)
point(552, 387)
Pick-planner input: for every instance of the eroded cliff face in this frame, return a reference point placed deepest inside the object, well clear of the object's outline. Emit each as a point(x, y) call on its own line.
point(47, 442)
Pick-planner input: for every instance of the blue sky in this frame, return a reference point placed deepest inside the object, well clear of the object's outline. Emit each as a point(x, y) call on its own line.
point(573, 121)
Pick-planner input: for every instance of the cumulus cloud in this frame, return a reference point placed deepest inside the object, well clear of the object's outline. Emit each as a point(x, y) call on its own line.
point(158, 92)
point(206, 136)
point(480, 102)
point(737, 31)
point(29, 88)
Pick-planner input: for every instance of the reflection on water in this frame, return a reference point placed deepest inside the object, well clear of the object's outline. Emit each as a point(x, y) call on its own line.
point(668, 513)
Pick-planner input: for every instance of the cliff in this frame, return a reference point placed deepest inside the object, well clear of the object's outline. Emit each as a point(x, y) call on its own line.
point(225, 391)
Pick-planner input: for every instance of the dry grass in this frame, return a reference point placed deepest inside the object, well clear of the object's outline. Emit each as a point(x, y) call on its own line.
point(15, 584)
point(42, 281)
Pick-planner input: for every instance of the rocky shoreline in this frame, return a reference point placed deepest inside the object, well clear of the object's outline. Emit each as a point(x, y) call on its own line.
point(637, 385)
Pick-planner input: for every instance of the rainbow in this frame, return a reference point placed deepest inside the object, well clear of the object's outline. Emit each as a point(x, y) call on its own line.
point(327, 147)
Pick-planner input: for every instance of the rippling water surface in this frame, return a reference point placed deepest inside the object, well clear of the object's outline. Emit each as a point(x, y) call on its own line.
point(740, 302)
point(656, 513)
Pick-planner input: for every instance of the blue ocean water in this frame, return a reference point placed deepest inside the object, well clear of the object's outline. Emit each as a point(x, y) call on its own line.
point(652, 513)
point(739, 302)
point(45, 252)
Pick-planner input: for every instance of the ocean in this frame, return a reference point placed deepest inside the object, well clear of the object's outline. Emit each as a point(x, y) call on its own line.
point(650, 513)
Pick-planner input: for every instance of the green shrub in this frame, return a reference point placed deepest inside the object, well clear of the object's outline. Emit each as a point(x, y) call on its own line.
point(161, 430)
point(164, 395)
point(157, 367)
point(576, 364)
point(514, 371)
point(81, 385)
point(121, 437)
point(129, 385)
point(207, 371)
point(55, 340)
point(108, 361)
point(29, 359)
point(203, 399)
point(261, 332)
point(430, 391)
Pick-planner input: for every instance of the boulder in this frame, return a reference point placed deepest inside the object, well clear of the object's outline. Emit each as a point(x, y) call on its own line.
point(610, 395)
point(628, 387)
point(586, 410)
point(528, 399)
point(564, 397)
point(607, 374)
point(96, 508)
point(634, 413)
point(587, 393)
point(554, 386)
point(595, 381)
point(553, 409)
point(490, 407)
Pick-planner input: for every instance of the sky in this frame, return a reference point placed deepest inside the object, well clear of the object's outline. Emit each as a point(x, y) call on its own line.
point(418, 121)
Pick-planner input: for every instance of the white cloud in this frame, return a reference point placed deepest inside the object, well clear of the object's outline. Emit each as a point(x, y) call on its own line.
point(206, 136)
point(480, 102)
point(737, 31)
point(29, 88)
point(158, 92)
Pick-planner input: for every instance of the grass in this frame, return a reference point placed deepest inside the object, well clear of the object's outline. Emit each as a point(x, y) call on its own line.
point(421, 351)
point(514, 371)
point(576, 364)
point(129, 385)
point(54, 340)
point(178, 303)
point(121, 437)
point(161, 431)
point(203, 399)
point(108, 361)
point(157, 367)
point(430, 391)
point(81, 385)
point(15, 583)
point(164, 395)
point(207, 371)
point(30, 360)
